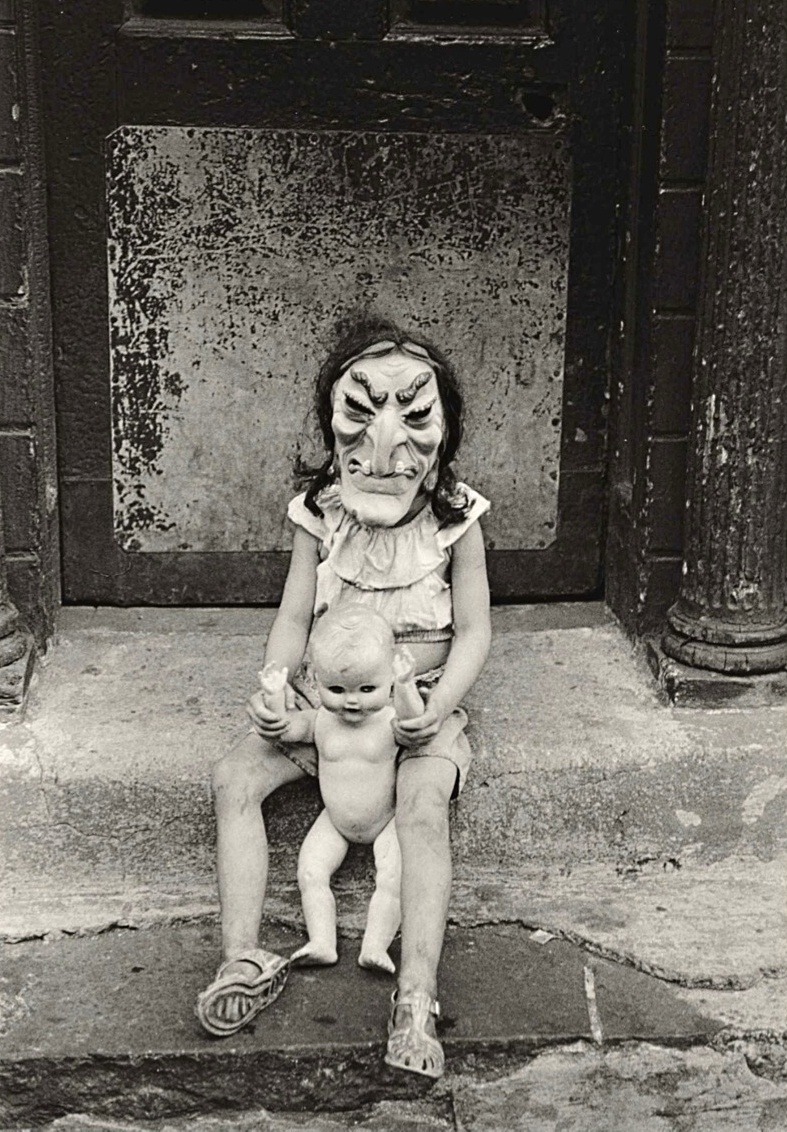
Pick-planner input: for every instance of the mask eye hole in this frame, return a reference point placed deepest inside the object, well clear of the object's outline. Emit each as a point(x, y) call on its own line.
point(419, 416)
point(357, 408)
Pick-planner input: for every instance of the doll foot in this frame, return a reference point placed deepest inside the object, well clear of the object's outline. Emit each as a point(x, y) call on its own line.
point(314, 955)
point(412, 1044)
point(376, 961)
point(242, 988)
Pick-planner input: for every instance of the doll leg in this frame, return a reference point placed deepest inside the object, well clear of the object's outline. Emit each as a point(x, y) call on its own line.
point(384, 916)
point(322, 852)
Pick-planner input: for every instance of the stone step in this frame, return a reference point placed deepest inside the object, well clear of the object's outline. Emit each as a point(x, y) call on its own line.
point(592, 809)
point(576, 758)
point(105, 1025)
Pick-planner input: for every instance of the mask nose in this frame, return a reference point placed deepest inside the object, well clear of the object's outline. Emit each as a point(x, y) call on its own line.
point(386, 433)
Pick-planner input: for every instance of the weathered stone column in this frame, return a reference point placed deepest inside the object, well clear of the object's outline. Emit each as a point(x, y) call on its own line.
point(731, 615)
point(27, 442)
point(16, 643)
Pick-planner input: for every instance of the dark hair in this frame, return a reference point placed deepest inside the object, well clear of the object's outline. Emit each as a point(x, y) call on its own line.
point(354, 336)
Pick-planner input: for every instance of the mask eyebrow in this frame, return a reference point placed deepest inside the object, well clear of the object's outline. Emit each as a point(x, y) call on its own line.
point(407, 396)
point(360, 377)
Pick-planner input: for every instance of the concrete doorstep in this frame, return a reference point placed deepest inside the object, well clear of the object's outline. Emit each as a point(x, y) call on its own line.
point(105, 1025)
point(644, 845)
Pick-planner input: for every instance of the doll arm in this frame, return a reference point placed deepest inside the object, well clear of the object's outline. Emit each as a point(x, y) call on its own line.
point(273, 681)
point(406, 697)
point(300, 726)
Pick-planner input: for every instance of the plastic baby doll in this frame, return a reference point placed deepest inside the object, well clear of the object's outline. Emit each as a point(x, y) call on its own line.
point(355, 666)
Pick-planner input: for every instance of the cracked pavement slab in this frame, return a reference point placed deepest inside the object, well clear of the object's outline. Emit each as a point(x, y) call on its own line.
point(578, 1088)
point(642, 1087)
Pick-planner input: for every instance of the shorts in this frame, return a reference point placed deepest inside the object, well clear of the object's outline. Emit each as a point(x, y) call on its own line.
point(449, 743)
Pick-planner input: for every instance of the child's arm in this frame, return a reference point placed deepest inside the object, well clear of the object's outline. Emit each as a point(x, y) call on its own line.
point(407, 700)
point(290, 630)
point(470, 647)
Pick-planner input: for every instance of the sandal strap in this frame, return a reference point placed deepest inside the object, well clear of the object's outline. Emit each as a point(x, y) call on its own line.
point(259, 958)
point(416, 999)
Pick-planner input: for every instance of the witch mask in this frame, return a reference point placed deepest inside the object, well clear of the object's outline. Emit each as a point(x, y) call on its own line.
point(388, 426)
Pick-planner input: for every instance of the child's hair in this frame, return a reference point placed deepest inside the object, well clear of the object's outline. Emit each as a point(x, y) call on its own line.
point(354, 336)
point(349, 637)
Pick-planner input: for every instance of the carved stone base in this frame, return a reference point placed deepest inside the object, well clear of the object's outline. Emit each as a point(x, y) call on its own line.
point(708, 640)
point(699, 687)
point(15, 680)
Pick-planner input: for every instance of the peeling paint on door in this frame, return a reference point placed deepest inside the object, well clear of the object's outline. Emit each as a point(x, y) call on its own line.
point(233, 251)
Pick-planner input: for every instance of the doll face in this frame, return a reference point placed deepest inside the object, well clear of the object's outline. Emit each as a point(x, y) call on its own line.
point(354, 692)
point(388, 425)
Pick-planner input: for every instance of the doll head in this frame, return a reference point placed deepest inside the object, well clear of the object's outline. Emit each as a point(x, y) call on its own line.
point(390, 413)
point(352, 653)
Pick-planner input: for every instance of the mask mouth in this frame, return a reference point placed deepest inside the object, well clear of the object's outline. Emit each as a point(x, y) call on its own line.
point(363, 468)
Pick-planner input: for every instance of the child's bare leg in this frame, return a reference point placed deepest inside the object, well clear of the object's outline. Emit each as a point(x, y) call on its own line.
point(322, 852)
point(423, 787)
point(384, 908)
point(241, 780)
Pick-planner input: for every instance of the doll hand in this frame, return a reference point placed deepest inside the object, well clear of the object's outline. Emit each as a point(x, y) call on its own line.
point(271, 724)
point(415, 732)
point(403, 664)
point(273, 681)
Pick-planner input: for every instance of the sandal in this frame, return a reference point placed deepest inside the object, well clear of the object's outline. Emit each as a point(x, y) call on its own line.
point(261, 991)
point(409, 1045)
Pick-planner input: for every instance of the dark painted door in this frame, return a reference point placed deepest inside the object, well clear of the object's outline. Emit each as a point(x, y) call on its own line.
point(228, 178)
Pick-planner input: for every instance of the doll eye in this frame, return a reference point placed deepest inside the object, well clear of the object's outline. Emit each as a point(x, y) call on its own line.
point(357, 407)
point(335, 689)
point(368, 687)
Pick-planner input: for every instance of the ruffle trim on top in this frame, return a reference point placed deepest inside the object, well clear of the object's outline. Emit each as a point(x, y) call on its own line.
point(299, 513)
point(479, 505)
point(425, 605)
point(382, 558)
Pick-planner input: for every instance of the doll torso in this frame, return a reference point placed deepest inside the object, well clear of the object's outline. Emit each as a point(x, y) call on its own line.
point(357, 772)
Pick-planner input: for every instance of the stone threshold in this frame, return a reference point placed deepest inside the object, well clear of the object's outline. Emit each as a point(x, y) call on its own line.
point(105, 1025)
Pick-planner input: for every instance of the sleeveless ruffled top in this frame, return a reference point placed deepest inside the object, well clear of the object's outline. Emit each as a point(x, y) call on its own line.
point(403, 572)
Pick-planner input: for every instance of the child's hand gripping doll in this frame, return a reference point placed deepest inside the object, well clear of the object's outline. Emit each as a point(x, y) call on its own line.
point(356, 669)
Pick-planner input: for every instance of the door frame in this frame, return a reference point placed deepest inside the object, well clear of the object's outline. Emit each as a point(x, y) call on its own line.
point(103, 68)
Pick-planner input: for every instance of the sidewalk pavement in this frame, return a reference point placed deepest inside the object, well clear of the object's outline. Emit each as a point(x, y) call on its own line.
point(619, 883)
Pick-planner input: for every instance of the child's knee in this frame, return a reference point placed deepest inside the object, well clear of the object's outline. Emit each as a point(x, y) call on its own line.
point(425, 829)
point(425, 810)
point(246, 773)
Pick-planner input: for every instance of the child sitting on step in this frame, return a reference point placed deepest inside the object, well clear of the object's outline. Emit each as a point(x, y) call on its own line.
point(383, 522)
